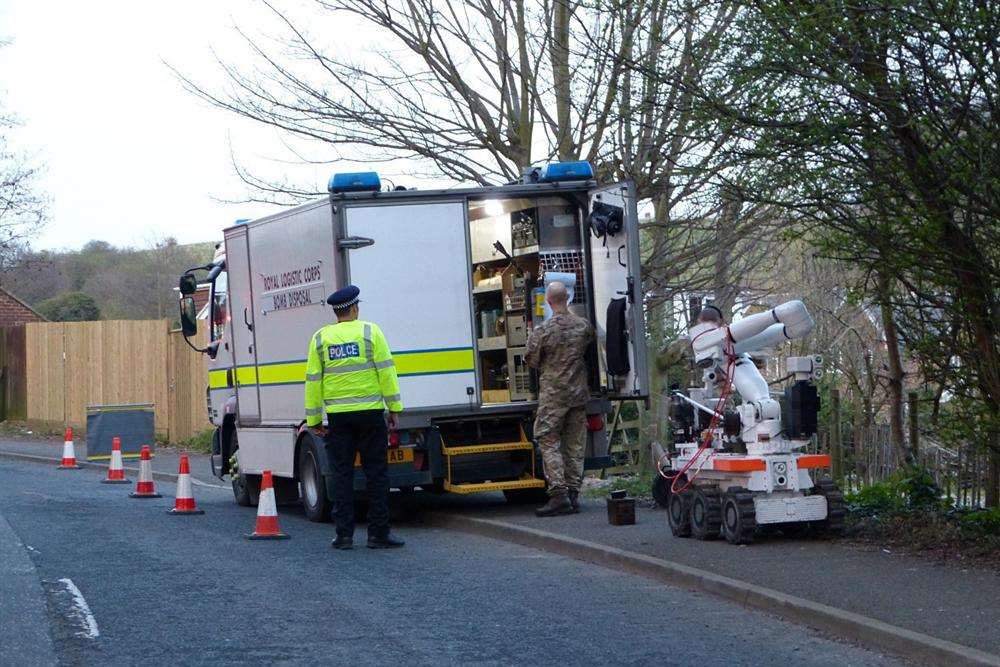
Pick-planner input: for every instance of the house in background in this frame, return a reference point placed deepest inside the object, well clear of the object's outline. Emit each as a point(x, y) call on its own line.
point(13, 311)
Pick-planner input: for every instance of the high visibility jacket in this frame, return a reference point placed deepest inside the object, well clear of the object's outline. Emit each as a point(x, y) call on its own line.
point(349, 367)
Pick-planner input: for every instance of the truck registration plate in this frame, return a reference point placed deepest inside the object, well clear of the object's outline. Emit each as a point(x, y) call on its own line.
point(394, 455)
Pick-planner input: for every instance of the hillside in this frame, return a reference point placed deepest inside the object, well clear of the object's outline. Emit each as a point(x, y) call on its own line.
point(124, 282)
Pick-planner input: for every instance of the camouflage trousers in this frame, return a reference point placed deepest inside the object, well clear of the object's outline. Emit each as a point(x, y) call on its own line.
point(561, 432)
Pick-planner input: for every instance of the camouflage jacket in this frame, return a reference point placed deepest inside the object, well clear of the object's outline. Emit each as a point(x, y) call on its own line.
point(556, 349)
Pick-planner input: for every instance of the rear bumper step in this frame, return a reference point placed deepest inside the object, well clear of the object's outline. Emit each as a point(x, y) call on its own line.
point(481, 487)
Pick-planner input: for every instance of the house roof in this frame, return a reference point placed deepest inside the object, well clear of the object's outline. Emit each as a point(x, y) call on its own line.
point(15, 298)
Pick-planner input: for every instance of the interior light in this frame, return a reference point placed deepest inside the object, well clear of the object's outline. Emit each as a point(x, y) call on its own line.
point(494, 207)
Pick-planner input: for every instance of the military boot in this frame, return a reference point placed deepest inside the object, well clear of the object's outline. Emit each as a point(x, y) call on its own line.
point(574, 500)
point(558, 504)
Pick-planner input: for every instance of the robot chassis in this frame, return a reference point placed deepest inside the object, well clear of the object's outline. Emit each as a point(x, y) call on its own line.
point(710, 488)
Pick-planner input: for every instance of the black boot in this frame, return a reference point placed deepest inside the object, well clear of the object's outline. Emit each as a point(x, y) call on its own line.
point(343, 542)
point(558, 504)
point(574, 500)
point(387, 542)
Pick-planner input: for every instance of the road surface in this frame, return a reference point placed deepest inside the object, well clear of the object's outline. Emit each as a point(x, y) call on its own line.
point(91, 576)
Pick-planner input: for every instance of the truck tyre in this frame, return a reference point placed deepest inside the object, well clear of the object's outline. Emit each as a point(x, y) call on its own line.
point(246, 488)
point(312, 486)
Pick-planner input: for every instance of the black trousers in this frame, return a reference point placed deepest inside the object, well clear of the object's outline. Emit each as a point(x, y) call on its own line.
point(349, 433)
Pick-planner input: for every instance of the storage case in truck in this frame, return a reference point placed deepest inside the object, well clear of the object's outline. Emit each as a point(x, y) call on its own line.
point(455, 280)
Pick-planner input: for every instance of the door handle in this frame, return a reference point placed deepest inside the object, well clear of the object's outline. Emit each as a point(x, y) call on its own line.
point(246, 320)
point(354, 242)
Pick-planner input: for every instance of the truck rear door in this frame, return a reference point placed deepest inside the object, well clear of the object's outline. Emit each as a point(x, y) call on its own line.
point(617, 280)
point(242, 314)
point(415, 285)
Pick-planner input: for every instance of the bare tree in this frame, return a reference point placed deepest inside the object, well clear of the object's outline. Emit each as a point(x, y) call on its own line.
point(23, 209)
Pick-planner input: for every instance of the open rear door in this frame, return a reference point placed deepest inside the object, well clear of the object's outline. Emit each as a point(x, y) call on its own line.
point(618, 298)
point(415, 285)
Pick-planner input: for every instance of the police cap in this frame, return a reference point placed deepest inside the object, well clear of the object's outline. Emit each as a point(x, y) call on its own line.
point(344, 298)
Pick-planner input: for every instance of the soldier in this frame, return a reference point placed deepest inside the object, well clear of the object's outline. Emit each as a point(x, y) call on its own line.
point(556, 349)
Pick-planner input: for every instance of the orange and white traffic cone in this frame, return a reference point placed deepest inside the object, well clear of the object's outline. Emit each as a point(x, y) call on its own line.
point(116, 471)
point(267, 513)
point(184, 503)
point(145, 488)
point(69, 453)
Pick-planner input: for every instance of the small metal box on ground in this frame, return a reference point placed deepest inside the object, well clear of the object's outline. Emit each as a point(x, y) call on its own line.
point(132, 423)
point(621, 509)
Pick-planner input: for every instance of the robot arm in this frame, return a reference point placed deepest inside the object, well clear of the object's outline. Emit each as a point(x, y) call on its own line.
point(788, 321)
point(795, 320)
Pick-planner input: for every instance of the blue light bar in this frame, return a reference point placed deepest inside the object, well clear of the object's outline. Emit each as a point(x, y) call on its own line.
point(566, 171)
point(363, 181)
point(241, 221)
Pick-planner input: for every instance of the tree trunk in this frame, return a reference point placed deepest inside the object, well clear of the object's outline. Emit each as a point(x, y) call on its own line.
point(895, 374)
point(561, 78)
point(724, 287)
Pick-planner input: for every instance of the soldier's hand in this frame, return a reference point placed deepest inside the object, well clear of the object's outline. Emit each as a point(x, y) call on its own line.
point(393, 420)
point(319, 431)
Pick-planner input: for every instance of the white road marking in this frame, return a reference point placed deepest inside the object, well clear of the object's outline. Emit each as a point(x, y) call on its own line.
point(198, 482)
point(81, 611)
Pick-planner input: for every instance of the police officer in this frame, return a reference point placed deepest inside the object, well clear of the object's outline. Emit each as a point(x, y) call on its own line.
point(556, 348)
point(351, 377)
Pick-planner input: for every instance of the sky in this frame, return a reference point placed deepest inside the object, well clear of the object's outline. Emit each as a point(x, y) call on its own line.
point(129, 156)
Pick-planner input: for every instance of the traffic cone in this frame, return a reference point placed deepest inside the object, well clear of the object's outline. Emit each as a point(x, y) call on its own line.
point(116, 471)
point(267, 513)
point(145, 488)
point(69, 453)
point(184, 503)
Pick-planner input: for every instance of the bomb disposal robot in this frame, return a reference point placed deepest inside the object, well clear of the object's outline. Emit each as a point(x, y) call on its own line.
point(709, 486)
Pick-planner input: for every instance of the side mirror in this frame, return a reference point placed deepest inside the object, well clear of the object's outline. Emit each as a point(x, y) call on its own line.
point(188, 284)
point(189, 317)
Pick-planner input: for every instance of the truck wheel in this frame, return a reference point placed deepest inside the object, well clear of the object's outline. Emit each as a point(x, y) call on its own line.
point(525, 496)
point(706, 513)
point(739, 516)
point(240, 491)
point(246, 488)
point(312, 486)
point(679, 514)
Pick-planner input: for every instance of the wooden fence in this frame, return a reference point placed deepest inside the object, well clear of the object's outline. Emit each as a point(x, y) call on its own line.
point(70, 365)
point(865, 456)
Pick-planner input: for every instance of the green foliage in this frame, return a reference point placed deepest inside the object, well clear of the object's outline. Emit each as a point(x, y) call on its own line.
point(983, 522)
point(70, 307)
point(200, 442)
point(881, 498)
point(637, 486)
point(126, 283)
point(907, 491)
point(908, 510)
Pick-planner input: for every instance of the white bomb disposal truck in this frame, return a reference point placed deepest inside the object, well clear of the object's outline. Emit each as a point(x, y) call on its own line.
point(455, 279)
